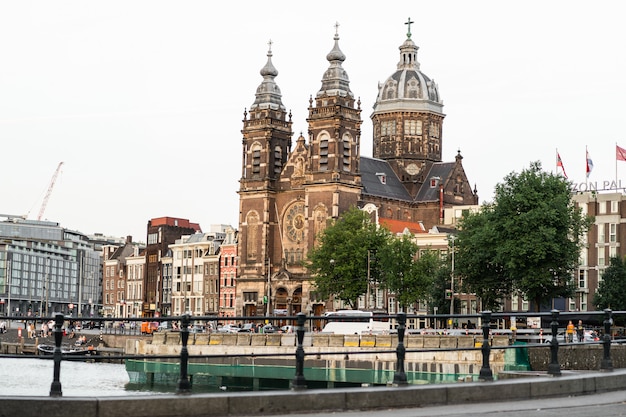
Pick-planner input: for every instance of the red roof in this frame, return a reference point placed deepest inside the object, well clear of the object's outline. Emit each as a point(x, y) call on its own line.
point(399, 226)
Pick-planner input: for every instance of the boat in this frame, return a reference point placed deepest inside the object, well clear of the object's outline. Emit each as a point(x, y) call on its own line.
point(45, 349)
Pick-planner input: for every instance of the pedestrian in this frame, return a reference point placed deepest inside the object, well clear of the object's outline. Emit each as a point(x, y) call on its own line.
point(580, 331)
point(570, 332)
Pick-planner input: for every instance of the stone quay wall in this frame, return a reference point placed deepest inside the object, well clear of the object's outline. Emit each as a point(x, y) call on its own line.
point(333, 351)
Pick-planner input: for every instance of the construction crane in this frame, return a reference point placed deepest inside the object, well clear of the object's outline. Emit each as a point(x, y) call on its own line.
point(50, 187)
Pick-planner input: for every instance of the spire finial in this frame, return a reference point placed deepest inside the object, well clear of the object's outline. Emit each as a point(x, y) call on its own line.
point(269, 44)
point(336, 29)
point(408, 23)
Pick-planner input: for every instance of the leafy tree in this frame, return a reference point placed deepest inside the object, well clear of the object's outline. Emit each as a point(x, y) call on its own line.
point(528, 240)
point(476, 252)
point(612, 287)
point(404, 273)
point(339, 262)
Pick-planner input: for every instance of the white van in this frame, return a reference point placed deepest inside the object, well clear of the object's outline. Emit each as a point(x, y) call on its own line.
point(354, 322)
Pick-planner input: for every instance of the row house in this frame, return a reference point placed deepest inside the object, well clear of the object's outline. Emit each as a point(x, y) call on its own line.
point(114, 283)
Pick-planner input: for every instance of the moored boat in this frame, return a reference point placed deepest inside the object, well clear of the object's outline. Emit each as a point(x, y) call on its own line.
point(45, 349)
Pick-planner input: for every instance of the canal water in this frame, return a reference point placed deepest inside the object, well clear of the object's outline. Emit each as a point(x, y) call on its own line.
point(78, 379)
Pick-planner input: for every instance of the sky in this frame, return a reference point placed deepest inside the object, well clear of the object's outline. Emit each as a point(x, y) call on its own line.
point(143, 101)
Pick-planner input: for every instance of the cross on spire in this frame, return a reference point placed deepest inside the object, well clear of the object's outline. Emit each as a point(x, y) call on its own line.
point(336, 28)
point(269, 44)
point(408, 23)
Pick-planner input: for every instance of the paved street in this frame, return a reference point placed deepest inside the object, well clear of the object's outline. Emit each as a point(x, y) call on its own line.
point(599, 405)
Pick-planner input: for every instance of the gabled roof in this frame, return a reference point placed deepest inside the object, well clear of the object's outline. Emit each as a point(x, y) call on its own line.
point(440, 170)
point(401, 226)
point(379, 180)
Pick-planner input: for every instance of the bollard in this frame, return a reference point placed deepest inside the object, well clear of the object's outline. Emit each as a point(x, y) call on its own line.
point(55, 387)
point(485, 373)
point(184, 386)
point(399, 377)
point(554, 368)
point(299, 382)
point(607, 363)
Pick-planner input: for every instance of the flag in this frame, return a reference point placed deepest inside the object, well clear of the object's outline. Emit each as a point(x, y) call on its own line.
point(620, 153)
point(559, 163)
point(589, 164)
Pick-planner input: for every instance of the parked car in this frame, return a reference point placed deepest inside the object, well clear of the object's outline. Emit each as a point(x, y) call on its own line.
point(270, 328)
point(228, 328)
point(247, 328)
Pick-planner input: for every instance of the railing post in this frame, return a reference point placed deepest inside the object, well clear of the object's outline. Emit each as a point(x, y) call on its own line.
point(184, 386)
point(299, 382)
point(554, 368)
point(485, 372)
point(607, 363)
point(399, 377)
point(55, 387)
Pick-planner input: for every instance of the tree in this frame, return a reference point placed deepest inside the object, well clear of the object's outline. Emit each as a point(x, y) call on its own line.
point(528, 240)
point(476, 247)
point(339, 261)
point(404, 273)
point(612, 288)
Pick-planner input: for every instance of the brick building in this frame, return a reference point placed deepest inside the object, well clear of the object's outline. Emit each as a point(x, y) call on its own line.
point(288, 192)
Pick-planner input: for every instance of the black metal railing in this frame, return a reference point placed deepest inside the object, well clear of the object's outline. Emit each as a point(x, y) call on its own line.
point(107, 326)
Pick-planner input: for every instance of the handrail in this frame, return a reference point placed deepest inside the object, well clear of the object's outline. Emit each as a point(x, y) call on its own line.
point(299, 381)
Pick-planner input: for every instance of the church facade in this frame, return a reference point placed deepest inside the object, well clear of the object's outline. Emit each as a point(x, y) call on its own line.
point(290, 191)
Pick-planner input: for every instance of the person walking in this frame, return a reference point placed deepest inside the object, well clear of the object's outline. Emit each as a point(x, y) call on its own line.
point(570, 332)
point(580, 331)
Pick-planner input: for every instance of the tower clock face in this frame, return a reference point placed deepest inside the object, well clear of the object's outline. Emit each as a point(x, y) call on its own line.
point(294, 222)
point(412, 169)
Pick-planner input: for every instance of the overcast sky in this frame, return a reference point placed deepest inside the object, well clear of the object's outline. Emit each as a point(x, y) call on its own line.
point(143, 101)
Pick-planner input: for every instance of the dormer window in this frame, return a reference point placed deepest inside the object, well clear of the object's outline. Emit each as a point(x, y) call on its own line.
point(382, 177)
point(434, 182)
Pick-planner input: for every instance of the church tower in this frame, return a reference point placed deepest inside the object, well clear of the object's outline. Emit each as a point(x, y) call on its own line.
point(407, 120)
point(266, 143)
point(334, 180)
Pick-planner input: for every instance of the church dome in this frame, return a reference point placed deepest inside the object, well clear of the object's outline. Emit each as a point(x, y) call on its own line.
point(408, 87)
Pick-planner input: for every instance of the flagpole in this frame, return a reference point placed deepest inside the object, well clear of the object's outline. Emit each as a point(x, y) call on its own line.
point(616, 164)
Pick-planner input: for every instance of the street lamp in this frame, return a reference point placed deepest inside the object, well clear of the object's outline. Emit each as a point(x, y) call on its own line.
point(452, 239)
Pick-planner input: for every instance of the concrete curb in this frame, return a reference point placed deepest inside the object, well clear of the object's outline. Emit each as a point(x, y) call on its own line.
point(338, 399)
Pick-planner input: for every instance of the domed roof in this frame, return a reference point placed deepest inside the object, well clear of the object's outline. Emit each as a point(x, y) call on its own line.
point(268, 93)
point(408, 87)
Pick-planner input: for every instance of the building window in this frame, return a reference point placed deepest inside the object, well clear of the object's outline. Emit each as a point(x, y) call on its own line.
point(602, 207)
point(413, 127)
point(524, 304)
point(582, 278)
point(614, 206)
point(278, 160)
point(346, 154)
point(323, 154)
point(601, 238)
point(256, 160)
point(612, 232)
point(572, 304)
point(601, 257)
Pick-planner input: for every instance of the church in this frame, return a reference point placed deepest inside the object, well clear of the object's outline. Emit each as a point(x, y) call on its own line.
point(290, 191)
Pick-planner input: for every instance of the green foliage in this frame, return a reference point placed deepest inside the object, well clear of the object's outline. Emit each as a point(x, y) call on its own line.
point(528, 240)
point(339, 263)
point(404, 273)
point(612, 287)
